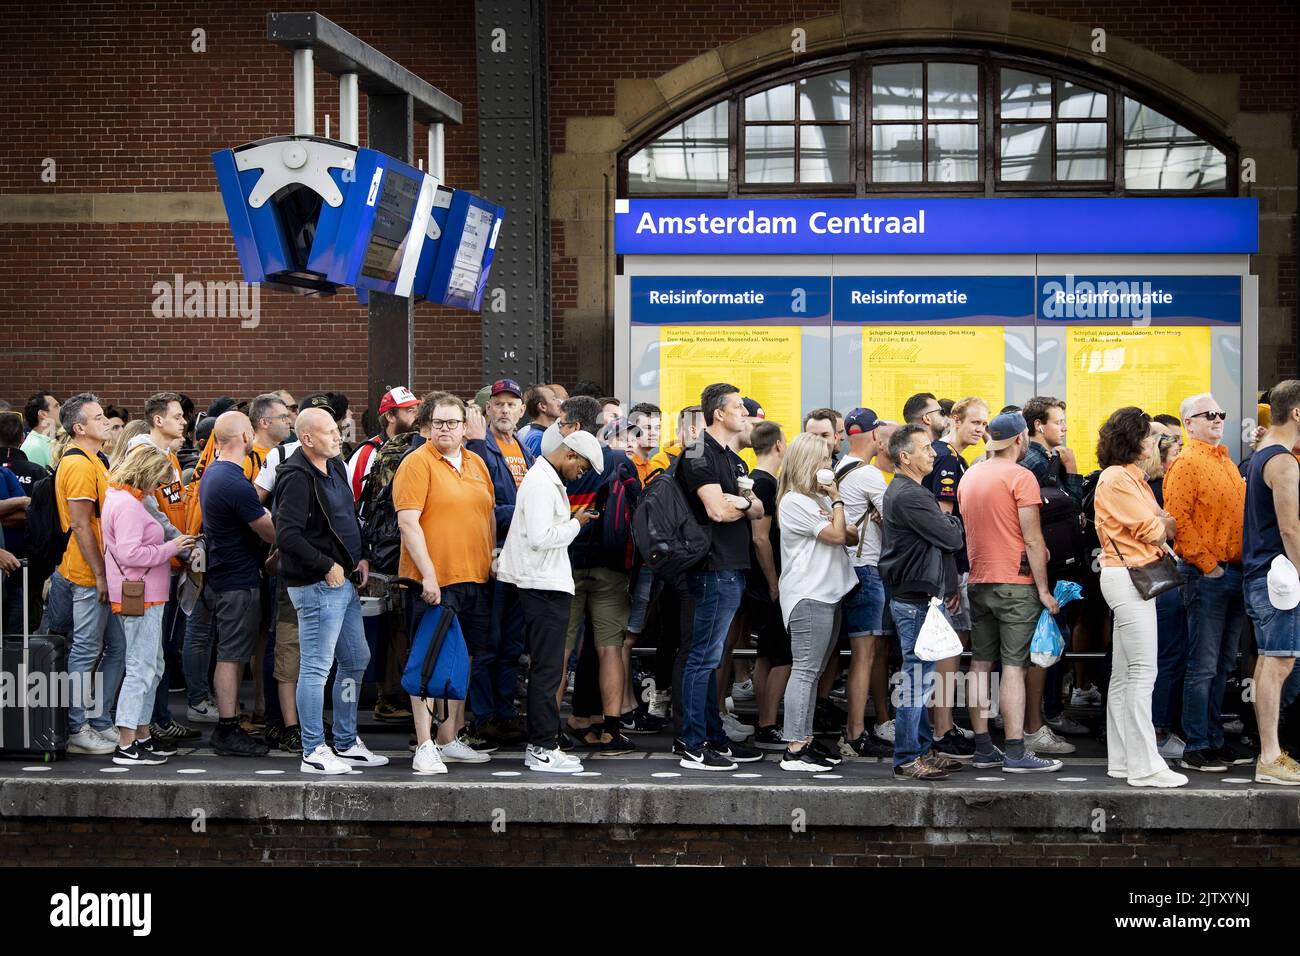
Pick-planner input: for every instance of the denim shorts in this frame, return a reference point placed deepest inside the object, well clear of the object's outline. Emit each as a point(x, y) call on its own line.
point(1277, 632)
point(864, 606)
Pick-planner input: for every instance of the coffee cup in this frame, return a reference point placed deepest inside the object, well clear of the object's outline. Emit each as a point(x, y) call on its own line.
point(825, 476)
point(745, 484)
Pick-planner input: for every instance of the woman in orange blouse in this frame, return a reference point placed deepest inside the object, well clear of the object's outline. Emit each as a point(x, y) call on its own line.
point(1132, 529)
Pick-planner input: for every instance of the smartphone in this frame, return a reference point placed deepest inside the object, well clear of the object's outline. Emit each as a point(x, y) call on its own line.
point(593, 512)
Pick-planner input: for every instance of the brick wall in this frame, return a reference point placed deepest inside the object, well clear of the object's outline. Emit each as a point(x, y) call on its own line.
point(134, 842)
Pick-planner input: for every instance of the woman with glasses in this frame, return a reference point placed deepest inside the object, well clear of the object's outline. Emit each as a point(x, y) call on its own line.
point(1132, 530)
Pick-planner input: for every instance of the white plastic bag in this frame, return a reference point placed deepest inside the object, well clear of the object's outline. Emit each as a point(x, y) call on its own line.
point(937, 640)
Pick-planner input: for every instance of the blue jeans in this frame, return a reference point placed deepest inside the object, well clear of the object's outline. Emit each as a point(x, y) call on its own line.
point(329, 628)
point(1171, 658)
point(57, 618)
point(864, 606)
point(1215, 613)
point(716, 597)
point(493, 674)
point(173, 640)
point(96, 633)
point(640, 604)
point(912, 734)
point(144, 666)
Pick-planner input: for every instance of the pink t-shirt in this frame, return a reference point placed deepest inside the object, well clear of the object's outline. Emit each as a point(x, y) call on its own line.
point(990, 496)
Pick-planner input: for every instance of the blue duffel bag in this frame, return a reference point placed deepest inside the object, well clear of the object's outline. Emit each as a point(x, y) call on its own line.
point(438, 665)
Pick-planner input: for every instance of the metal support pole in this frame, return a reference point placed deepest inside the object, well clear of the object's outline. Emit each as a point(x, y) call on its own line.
point(391, 318)
point(349, 114)
point(437, 149)
point(304, 94)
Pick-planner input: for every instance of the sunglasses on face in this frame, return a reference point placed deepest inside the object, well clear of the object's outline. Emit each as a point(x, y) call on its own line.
point(1210, 416)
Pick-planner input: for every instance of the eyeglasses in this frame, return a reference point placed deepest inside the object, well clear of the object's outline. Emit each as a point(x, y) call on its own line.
point(445, 424)
point(937, 410)
point(1167, 440)
point(1210, 416)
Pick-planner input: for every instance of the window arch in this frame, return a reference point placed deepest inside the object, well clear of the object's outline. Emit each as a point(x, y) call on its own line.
point(929, 120)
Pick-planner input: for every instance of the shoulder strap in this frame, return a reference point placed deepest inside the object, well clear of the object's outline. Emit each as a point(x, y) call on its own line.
point(846, 469)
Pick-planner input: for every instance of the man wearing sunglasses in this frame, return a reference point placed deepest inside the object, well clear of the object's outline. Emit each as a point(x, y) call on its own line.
point(1206, 494)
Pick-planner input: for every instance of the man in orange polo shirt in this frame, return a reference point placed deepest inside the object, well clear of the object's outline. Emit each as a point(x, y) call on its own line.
point(1206, 494)
point(442, 493)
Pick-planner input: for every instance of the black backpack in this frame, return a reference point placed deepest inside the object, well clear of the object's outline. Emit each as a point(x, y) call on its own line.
point(46, 539)
point(379, 528)
point(664, 530)
point(1063, 524)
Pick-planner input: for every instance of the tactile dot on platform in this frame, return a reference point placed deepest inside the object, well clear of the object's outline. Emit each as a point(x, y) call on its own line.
point(829, 776)
point(587, 773)
point(192, 770)
point(989, 779)
point(352, 773)
point(665, 773)
point(37, 769)
point(268, 773)
point(1237, 780)
point(746, 776)
point(505, 773)
point(1072, 779)
point(112, 770)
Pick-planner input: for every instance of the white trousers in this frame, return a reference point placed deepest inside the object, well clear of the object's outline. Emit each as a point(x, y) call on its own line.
point(1130, 736)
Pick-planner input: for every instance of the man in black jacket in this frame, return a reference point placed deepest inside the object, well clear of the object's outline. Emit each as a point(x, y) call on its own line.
point(321, 556)
point(916, 564)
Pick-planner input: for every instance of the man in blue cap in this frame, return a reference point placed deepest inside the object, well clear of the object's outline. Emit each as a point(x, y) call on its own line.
point(1008, 587)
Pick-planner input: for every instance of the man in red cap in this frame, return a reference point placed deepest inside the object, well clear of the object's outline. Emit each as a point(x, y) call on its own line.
point(396, 415)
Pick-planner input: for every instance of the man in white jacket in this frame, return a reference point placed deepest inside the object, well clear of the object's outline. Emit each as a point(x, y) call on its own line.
point(535, 560)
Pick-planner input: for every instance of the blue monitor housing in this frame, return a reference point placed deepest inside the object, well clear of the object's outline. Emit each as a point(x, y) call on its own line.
point(275, 191)
point(457, 273)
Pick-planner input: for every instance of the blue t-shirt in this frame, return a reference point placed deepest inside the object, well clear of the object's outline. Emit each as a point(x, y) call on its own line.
point(229, 503)
point(342, 516)
point(14, 538)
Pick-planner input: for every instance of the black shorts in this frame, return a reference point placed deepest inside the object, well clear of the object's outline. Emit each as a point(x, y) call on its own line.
point(764, 617)
point(472, 604)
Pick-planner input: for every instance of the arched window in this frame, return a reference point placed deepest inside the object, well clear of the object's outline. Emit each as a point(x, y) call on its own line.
point(929, 121)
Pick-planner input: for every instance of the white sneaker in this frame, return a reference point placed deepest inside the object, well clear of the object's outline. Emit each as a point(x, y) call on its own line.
point(568, 688)
point(1085, 698)
point(1064, 725)
point(550, 761)
point(1043, 741)
point(359, 755)
point(324, 761)
point(744, 690)
point(110, 734)
point(1162, 778)
point(459, 752)
point(205, 713)
point(1173, 747)
point(885, 731)
point(659, 706)
point(736, 732)
point(88, 741)
point(427, 759)
point(1233, 726)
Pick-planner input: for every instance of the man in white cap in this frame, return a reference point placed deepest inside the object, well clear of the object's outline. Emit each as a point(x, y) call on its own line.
point(535, 559)
point(397, 410)
point(1270, 556)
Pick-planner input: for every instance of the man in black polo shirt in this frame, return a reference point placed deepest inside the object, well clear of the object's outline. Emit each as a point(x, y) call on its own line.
point(709, 471)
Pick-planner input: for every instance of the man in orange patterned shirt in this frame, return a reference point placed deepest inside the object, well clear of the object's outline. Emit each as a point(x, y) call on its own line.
point(1206, 494)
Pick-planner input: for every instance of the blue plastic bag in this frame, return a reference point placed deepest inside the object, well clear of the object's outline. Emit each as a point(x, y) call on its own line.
point(1047, 646)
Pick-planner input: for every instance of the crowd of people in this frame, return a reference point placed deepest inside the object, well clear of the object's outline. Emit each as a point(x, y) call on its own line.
point(563, 533)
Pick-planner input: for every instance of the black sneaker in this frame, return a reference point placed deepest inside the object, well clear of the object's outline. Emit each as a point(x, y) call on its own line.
point(679, 747)
point(866, 745)
point(954, 745)
point(505, 732)
point(274, 728)
point(768, 738)
point(565, 741)
point(157, 746)
point(807, 760)
point(640, 722)
point(740, 753)
point(1233, 753)
point(291, 740)
point(1206, 761)
point(705, 758)
point(174, 732)
point(235, 742)
point(617, 744)
point(135, 755)
point(821, 750)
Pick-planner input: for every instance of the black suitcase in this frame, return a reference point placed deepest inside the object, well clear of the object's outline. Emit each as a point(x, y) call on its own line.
point(34, 691)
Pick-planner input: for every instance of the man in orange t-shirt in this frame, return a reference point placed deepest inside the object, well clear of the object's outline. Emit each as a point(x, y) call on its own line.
point(442, 493)
point(492, 681)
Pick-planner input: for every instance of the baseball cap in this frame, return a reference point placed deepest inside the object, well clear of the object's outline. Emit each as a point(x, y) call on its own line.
point(399, 397)
point(586, 445)
point(860, 420)
point(1004, 429)
point(506, 385)
point(1283, 584)
point(325, 400)
point(755, 410)
point(481, 397)
point(224, 404)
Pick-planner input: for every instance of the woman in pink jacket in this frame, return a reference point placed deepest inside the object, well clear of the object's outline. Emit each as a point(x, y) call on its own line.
point(134, 551)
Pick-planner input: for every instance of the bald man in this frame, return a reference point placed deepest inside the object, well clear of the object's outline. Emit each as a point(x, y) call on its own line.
point(237, 530)
point(322, 563)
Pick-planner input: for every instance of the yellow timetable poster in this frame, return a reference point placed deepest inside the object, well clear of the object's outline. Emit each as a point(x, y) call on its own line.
point(764, 361)
point(1109, 367)
point(951, 361)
